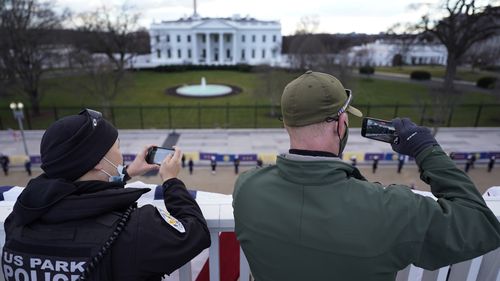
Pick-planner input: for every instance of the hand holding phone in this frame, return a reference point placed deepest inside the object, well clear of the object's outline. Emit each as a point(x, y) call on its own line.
point(157, 154)
point(378, 129)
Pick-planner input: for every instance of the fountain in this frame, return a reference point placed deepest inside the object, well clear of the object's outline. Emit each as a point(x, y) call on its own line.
point(204, 90)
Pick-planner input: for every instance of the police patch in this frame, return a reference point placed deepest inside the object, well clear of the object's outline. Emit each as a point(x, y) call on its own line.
point(173, 222)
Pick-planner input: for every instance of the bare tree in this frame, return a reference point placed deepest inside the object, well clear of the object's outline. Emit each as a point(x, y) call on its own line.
point(26, 52)
point(403, 35)
point(105, 59)
point(306, 50)
point(465, 23)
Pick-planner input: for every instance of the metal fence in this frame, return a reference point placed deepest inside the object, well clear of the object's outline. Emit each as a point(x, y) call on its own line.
point(251, 116)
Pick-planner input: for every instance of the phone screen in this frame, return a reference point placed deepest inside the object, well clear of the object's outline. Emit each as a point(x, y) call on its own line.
point(377, 129)
point(156, 154)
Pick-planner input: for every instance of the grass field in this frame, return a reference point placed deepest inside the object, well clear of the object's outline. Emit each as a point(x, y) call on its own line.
point(145, 104)
point(463, 73)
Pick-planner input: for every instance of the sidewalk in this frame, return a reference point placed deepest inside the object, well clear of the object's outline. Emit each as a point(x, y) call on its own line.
point(268, 141)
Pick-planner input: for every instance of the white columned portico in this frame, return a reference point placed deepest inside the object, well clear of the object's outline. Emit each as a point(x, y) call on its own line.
point(234, 47)
point(221, 48)
point(194, 46)
point(207, 46)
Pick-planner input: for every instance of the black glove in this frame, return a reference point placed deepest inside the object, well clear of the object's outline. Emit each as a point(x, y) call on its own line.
point(411, 139)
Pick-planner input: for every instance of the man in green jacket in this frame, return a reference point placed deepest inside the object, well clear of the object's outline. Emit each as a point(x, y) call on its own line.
point(313, 217)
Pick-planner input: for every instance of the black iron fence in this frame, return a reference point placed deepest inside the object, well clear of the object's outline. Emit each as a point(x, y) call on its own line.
point(251, 116)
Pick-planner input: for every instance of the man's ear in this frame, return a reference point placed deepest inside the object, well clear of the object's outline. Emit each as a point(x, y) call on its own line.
point(342, 124)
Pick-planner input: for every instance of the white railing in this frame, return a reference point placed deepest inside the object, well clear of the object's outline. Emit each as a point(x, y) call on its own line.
point(219, 217)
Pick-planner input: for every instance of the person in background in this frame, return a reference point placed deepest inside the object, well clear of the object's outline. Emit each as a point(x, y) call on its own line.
point(354, 161)
point(76, 221)
point(313, 217)
point(260, 163)
point(191, 165)
point(27, 165)
point(491, 163)
point(236, 163)
point(4, 161)
point(183, 161)
point(401, 162)
point(375, 164)
point(213, 164)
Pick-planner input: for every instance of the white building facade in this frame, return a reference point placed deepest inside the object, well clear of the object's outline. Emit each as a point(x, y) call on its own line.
point(215, 41)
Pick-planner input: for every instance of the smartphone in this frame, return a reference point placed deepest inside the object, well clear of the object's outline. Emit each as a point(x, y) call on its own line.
point(377, 129)
point(157, 154)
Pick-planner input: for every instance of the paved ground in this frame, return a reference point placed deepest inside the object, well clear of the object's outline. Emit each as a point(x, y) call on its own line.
point(271, 142)
point(223, 180)
point(243, 141)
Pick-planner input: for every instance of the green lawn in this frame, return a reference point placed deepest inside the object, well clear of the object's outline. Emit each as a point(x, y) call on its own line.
point(439, 71)
point(144, 103)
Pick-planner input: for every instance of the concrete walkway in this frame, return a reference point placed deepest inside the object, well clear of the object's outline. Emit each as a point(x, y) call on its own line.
point(241, 141)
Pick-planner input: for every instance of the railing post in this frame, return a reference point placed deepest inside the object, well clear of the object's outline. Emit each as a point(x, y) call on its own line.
point(244, 267)
point(169, 116)
point(227, 115)
point(450, 116)
point(213, 253)
point(1, 123)
point(422, 114)
point(478, 115)
point(56, 116)
point(199, 116)
point(112, 111)
point(396, 110)
point(141, 117)
point(368, 109)
point(255, 116)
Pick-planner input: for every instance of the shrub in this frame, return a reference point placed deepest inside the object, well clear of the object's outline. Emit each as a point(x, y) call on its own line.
point(487, 82)
point(367, 70)
point(420, 75)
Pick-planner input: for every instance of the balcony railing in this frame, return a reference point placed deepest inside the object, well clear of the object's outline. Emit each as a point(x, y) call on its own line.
point(219, 216)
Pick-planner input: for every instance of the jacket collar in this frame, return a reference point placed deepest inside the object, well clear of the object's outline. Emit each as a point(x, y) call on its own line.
point(315, 170)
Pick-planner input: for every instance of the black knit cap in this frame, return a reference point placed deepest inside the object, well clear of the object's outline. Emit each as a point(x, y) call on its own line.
point(75, 144)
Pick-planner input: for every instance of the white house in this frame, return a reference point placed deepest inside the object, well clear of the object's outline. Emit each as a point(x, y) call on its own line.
point(215, 41)
point(381, 53)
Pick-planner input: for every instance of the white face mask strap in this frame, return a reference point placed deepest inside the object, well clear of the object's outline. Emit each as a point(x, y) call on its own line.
point(106, 173)
point(106, 159)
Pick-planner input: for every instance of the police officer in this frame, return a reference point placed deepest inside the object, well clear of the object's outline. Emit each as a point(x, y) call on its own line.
point(77, 220)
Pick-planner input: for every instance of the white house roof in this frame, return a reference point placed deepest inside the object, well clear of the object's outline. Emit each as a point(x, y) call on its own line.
point(217, 23)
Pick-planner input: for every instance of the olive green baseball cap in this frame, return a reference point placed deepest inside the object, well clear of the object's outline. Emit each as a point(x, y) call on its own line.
point(313, 98)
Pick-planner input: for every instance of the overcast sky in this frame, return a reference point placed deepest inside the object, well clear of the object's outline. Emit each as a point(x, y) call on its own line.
point(335, 16)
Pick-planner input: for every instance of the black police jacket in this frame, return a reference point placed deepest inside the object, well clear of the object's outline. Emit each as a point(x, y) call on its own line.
point(57, 226)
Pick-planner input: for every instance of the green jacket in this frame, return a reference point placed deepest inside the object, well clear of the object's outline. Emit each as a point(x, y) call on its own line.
point(321, 220)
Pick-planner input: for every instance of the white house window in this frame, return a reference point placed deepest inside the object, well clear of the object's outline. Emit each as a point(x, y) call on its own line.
point(243, 54)
point(157, 38)
point(169, 53)
point(158, 53)
point(204, 53)
point(253, 38)
point(178, 38)
point(274, 38)
point(179, 54)
point(203, 38)
point(253, 53)
point(189, 38)
point(228, 53)
point(263, 53)
point(189, 53)
point(228, 39)
point(263, 38)
point(243, 38)
point(168, 38)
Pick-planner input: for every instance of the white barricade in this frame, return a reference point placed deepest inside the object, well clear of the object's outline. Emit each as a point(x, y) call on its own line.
point(218, 212)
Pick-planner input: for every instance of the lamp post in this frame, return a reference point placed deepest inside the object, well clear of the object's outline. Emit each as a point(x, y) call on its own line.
point(17, 110)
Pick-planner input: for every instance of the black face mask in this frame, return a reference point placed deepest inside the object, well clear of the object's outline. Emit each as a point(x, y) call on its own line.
point(343, 141)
